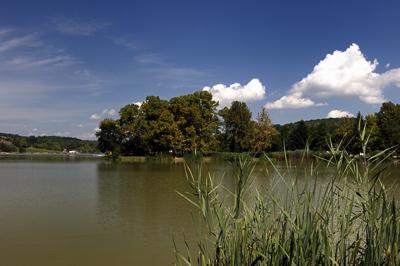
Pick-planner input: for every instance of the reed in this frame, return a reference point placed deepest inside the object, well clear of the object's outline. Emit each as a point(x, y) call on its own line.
point(347, 220)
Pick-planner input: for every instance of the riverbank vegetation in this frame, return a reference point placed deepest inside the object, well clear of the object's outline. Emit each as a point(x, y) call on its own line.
point(346, 218)
point(193, 123)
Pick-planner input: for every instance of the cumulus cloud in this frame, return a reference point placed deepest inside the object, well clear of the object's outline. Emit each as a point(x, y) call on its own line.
point(342, 73)
point(290, 101)
point(252, 91)
point(339, 114)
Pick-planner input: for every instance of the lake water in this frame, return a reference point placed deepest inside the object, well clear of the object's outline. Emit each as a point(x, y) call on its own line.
point(93, 212)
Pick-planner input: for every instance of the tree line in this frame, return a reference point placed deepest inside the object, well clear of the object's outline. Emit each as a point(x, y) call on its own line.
point(17, 143)
point(193, 123)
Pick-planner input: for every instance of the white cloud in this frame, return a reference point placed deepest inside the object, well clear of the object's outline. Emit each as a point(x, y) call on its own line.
point(95, 117)
point(343, 73)
point(387, 65)
point(138, 103)
point(339, 114)
point(290, 101)
point(104, 114)
point(225, 95)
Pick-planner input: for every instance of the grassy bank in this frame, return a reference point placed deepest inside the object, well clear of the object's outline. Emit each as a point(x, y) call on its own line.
point(348, 220)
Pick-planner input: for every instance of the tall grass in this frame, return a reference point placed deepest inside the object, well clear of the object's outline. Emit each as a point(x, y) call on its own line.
point(348, 219)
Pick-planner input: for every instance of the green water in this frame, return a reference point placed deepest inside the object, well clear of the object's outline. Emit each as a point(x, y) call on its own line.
point(95, 213)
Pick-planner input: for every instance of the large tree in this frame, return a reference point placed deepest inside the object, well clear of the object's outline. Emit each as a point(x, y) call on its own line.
point(237, 126)
point(195, 115)
point(160, 130)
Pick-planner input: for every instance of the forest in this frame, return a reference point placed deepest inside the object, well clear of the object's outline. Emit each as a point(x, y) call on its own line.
point(193, 123)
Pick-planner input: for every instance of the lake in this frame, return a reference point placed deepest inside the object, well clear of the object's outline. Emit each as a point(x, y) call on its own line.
point(94, 212)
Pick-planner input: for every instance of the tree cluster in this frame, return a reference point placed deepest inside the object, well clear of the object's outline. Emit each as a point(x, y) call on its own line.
point(185, 124)
point(382, 128)
point(192, 123)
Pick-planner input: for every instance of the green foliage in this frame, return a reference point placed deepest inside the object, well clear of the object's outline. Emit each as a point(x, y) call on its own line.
point(195, 115)
point(6, 145)
point(348, 220)
point(264, 132)
point(388, 121)
point(238, 127)
point(190, 124)
point(319, 137)
point(109, 137)
point(298, 137)
point(160, 131)
point(49, 143)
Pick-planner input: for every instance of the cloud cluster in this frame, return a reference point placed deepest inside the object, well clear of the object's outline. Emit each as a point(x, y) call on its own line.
point(339, 114)
point(225, 95)
point(342, 73)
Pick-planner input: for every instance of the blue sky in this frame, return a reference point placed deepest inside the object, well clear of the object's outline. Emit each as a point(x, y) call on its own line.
point(66, 64)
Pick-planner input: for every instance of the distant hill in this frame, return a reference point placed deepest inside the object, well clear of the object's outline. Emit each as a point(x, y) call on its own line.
point(17, 143)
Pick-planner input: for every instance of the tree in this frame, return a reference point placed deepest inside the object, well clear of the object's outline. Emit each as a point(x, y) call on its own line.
point(298, 137)
point(160, 131)
point(109, 137)
point(264, 132)
point(238, 127)
point(388, 121)
point(195, 115)
point(345, 130)
point(131, 123)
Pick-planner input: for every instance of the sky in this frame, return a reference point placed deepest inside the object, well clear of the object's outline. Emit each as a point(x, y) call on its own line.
point(65, 65)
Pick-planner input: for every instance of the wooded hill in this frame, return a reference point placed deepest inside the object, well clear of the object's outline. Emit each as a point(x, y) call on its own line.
point(17, 143)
